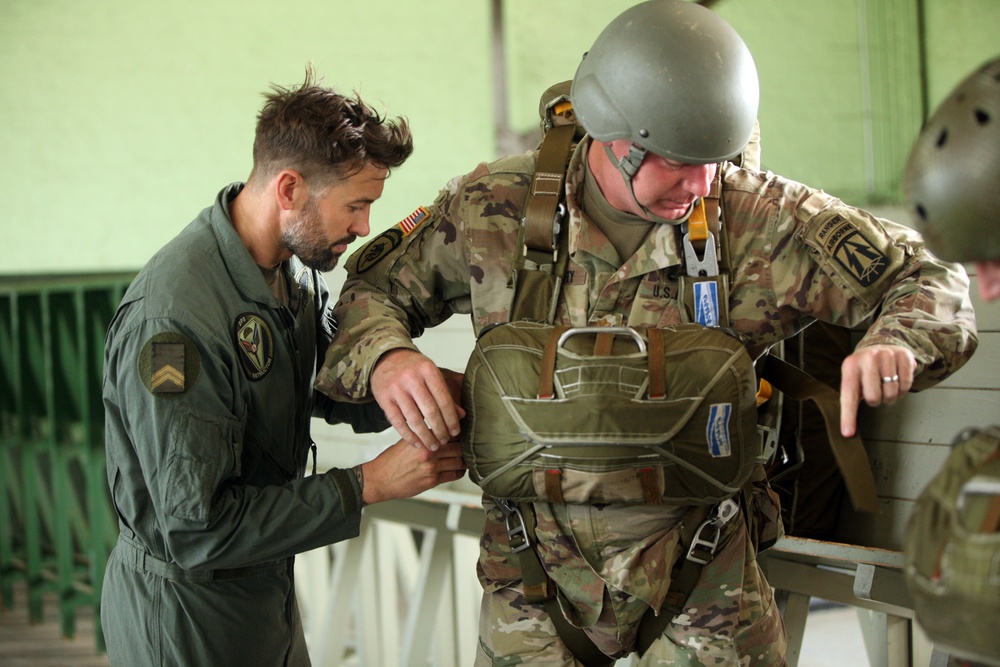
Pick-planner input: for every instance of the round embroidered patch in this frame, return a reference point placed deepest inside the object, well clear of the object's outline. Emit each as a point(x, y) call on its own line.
point(378, 248)
point(168, 364)
point(254, 345)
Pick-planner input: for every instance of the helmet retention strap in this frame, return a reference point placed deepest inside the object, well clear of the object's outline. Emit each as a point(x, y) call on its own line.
point(628, 165)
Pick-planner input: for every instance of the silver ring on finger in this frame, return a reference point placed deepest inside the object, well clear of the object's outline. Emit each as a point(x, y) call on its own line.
point(887, 379)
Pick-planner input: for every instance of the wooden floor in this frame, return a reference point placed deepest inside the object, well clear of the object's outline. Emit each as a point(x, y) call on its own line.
point(23, 644)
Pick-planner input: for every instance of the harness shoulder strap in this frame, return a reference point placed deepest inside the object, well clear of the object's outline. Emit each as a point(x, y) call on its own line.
point(539, 267)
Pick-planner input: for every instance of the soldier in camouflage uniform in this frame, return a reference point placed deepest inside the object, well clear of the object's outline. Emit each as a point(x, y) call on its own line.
point(798, 255)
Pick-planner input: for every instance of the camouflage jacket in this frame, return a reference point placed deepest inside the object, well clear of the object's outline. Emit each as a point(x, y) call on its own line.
point(797, 255)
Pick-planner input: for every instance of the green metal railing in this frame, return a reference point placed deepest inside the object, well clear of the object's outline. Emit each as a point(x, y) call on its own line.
point(57, 525)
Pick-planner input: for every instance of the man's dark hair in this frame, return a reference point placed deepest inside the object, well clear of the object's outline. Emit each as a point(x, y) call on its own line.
point(323, 135)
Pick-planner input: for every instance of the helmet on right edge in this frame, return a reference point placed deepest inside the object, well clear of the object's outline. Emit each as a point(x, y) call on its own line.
point(672, 77)
point(953, 172)
point(952, 550)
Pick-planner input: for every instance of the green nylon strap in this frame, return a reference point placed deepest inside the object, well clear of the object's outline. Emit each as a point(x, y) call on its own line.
point(850, 454)
point(683, 580)
point(547, 189)
point(547, 366)
point(539, 589)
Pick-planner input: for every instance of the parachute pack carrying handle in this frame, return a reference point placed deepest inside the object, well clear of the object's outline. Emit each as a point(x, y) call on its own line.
point(602, 347)
point(629, 331)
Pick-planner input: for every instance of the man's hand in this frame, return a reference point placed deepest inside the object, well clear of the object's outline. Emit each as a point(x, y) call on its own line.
point(403, 471)
point(879, 374)
point(417, 399)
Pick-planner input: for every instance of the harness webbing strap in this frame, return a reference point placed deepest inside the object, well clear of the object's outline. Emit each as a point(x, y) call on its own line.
point(651, 492)
point(657, 365)
point(704, 530)
point(553, 486)
point(539, 589)
point(849, 452)
point(546, 189)
point(547, 366)
point(603, 343)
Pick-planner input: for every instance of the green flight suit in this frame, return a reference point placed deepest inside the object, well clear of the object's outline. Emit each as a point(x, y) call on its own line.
point(208, 396)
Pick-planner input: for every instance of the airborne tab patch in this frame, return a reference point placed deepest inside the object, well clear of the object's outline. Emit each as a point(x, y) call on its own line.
point(841, 239)
point(168, 364)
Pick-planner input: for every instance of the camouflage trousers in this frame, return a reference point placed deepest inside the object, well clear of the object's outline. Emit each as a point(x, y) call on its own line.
point(730, 618)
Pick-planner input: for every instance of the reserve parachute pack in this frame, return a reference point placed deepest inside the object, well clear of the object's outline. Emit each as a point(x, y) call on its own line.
point(952, 549)
point(622, 415)
point(611, 415)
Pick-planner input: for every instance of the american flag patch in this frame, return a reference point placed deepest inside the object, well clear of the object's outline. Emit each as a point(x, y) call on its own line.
point(410, 222)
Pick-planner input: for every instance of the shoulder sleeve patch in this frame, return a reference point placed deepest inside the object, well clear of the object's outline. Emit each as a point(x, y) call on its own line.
point(855, 248)
point(375, 250)
point(379, 247)
point(168, 364)
point(255, 346)
point(842, 240)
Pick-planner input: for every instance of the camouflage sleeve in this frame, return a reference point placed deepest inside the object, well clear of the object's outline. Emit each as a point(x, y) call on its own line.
point(927, 308)
point(829, 261)
point(414, 276)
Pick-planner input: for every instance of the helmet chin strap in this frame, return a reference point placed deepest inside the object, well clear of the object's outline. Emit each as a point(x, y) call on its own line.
point(628, 165)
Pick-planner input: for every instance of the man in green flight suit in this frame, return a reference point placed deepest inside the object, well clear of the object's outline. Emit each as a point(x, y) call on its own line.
point(208, 390)
point(668, 96)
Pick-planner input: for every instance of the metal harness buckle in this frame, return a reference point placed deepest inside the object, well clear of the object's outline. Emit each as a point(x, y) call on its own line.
point(708, 265)
point(517, 534)
point(703, 547)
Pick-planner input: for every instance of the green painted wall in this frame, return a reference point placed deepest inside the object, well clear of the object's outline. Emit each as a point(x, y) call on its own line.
point(120, 120)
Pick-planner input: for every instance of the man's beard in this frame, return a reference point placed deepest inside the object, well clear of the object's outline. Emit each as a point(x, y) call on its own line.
point(304, 237)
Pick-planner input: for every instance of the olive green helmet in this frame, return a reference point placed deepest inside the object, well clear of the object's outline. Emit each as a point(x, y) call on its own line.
point(673, 78)
point(953, 171)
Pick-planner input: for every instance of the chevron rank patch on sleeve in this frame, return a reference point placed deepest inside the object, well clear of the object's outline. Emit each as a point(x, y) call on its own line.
point(169, 364)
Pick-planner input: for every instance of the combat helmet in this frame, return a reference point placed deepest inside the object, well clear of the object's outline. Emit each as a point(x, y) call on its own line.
point(951, 176)
point(673, 78)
